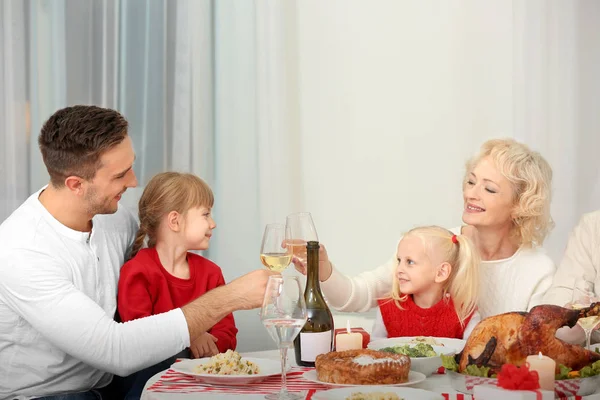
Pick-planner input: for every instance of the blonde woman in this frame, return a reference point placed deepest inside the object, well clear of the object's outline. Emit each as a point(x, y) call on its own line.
point(506, 192)
point(435, 287)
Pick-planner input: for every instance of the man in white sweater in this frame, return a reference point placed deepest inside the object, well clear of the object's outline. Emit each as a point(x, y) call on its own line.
point(60, 256)
point(578, 276)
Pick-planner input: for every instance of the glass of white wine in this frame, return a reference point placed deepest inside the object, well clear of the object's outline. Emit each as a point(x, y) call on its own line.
point(275, 254)
point(301, 230)
point(283, 314)
point(587, 323)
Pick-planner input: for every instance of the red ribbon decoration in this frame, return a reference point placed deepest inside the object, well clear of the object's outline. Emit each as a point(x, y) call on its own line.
point(512, 377)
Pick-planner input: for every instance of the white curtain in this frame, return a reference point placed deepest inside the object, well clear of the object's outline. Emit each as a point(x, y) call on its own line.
point(128, 55)
point(14, 107)
point(556, 59)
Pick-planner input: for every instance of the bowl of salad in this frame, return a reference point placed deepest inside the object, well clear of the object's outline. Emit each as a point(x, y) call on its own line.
point(424, 358)
point(568, 383)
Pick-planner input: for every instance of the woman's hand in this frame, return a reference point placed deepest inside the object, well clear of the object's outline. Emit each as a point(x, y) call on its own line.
point(584, 299)
point(325, 267)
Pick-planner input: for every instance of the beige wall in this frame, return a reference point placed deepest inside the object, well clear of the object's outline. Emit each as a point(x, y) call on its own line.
point(394, 97)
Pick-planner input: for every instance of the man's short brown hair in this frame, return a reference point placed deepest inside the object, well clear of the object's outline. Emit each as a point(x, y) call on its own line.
point(74, 138)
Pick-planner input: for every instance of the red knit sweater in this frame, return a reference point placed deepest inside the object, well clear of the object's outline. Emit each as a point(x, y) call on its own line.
point(146, 288)
point(440, 320)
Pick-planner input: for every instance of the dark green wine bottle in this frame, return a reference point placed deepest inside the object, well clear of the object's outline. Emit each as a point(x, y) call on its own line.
point(316, 337)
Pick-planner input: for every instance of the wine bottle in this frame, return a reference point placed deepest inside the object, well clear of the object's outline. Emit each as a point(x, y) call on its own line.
point(316, 337)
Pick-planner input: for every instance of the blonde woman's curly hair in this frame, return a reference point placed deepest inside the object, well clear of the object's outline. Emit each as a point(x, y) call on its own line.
point(531, 179)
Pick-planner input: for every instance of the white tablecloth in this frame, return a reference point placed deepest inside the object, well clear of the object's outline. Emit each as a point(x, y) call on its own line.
point(435, 383)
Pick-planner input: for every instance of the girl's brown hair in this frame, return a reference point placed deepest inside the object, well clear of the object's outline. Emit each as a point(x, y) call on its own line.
point(166, 192)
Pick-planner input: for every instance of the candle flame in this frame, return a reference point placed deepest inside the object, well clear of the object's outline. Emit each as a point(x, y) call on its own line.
point(348, 326)
point(540, 356)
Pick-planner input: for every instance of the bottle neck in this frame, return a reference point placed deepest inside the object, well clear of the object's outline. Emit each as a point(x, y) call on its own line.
point(312, 266)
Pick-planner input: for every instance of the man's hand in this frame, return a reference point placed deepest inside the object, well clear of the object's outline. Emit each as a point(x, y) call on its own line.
point(249, 289)
point(325, 267)
point(244, 293)
point(204, 346)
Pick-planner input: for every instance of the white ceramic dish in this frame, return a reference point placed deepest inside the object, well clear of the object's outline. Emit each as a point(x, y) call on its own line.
point(567, 387)
point(267, 368)
point(424, 365)
point(402, 392)
point(413, 378)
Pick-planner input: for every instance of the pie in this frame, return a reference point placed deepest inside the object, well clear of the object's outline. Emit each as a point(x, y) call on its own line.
point(362, 367)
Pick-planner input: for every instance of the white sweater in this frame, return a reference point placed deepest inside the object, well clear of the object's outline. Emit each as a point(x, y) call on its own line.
point(58, 292)
point(516, 283)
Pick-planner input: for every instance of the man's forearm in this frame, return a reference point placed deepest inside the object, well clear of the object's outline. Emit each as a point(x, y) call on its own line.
point(204, 312)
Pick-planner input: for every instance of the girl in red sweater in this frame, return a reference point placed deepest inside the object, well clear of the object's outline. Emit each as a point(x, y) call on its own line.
point(435, 287)
point(175, 217)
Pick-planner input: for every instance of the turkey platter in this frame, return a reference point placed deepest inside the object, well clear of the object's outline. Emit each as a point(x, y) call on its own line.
point(509, 338)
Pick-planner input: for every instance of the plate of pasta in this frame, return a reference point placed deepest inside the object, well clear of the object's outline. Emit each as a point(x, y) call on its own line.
point(228, 368)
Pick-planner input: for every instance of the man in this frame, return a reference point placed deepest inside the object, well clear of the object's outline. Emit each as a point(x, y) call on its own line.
point(577, 279)
point(60, 256)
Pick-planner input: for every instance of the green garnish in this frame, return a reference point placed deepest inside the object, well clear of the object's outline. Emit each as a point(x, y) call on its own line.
point(419, 350)
point(564, 372)
point(449, 363)
point(474, 370)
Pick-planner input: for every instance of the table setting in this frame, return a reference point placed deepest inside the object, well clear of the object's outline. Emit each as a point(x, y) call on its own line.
point(344, 363)
point(173, 385)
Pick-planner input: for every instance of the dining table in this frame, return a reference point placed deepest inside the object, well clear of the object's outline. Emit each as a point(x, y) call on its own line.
point(166, 385)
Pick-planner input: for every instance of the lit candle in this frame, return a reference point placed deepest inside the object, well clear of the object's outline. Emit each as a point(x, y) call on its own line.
point(545, 367)
point(349, 340)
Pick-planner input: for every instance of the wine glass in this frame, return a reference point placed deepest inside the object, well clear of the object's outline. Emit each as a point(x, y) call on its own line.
point(283, 314)
point(301, 230)
point(275, 254)
point(587, 323)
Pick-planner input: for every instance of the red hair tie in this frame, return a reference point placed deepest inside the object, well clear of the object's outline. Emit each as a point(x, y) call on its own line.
point(454, 239)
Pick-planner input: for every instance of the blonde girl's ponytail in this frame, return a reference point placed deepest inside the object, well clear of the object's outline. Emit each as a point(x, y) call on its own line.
point(464, 281)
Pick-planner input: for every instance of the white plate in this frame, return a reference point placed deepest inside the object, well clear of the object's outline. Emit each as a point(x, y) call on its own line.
point(424, 365)
point(455, 344)
point(413, 378)
point(267, 368)
point(402, 392)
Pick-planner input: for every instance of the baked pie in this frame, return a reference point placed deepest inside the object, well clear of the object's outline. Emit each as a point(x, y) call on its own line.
point(362, 367)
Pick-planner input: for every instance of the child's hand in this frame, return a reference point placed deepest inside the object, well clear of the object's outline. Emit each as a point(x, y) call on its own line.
point(204, 346)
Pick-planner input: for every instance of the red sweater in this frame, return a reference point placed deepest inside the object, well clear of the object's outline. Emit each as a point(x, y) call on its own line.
point(146, 288)
point(440, 320)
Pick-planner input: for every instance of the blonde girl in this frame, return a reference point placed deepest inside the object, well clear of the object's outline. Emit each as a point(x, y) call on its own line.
point(435, 287)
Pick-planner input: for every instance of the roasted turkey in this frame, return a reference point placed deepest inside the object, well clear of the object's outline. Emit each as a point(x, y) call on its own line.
point(509, 338)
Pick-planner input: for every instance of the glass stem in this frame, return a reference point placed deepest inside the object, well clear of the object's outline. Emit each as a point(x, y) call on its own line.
point(283, 353)
point(588, 337)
